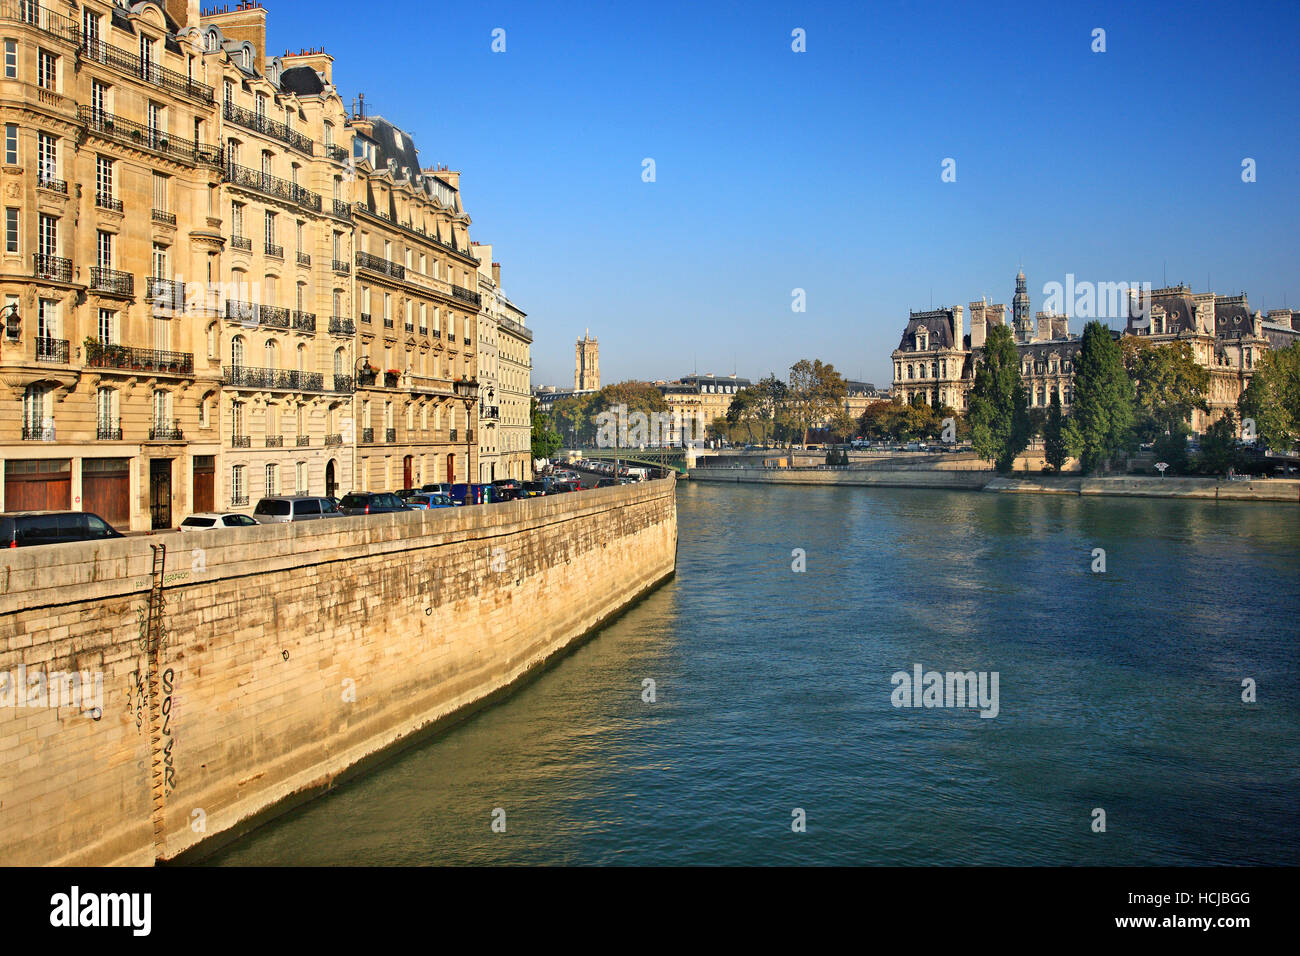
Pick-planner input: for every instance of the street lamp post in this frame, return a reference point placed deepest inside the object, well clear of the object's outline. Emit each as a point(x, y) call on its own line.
point(467, 390)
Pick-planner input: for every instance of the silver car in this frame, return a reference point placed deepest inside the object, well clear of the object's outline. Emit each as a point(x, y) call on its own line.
point(278, 510)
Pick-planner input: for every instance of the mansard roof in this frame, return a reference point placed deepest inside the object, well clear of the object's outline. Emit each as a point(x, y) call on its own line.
point(1231, 315)
point(303, 80)
point(939, 326)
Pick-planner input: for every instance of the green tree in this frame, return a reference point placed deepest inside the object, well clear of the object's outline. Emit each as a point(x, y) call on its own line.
point(1219, 446)
point(771, 398)
point(1272, 399)
point(1101, 420)
point(999, 417)
point(1054, 444)
point(1168, 385)
point(1171, 448)
point(816, 392)
point(546, 442)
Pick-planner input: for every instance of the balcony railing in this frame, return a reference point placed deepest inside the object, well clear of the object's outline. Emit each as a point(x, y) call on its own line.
point(250, 313)
point(100, 52)
point(342, 210)
point(53, 185)
point(379, 264)
point(452, 433)
point(486, 412)
point(344, 383)
point(241, 242)
point(388, 323)
point(111, 281)
point(165, 293)
point(342, 267)
point(280, 379)
point(105, 201)
point(241, 441)
point(44, 19)
point(460, 292)
point(304, 321)
point(101, 355)
point(38, 431)
point(164, 217)
point(365, 318)
point(239, 501)
point(273, 186)
point(52, 350)
point(304, 259)
point(342, 326)
point(390, 435)
point(339, 154)
point(410, 326)
point(332, 440)
point(107, 431)
point(274, 441)
point(130, 133)
point(276, 252)
point(304, 441)
point(367, 436)
point(261, 123)
point(166, 431)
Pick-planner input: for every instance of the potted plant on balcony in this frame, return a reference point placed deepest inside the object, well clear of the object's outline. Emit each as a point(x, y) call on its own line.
point(391, 377)
point(94, 352)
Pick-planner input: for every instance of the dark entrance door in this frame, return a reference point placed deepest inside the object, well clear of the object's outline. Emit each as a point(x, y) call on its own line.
point(451, 469)
point(160, 493)
point(205, 479)
point(331, 485)
point(406, 471)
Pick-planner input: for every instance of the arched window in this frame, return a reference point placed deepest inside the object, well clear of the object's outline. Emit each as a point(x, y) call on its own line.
point(271, 351)
point(237, 351)
point(302, 357)
point(214, 340)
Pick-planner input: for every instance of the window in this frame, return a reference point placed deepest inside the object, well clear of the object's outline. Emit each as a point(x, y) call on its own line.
point(237, 353)
point(301, 477)
point(270, 228)
point(147, 66)
point(11, 230)
point(214, 341)
point(11, 59)
point(11, 144)
point(238, 496)
point(156, 124)
point(104, 402)
point(47, 71)
point(47, 157)
point(159, 261)
point(230, 86)
point(272, 480)
point(47, 319)
point(103, 180)
point(260, 105)
point(47, 236)
point(107, 326)
point(104, 250)
point(99, 105)
point(162, 404)
point(160, 192)
point(237, 219)
point(37, 408)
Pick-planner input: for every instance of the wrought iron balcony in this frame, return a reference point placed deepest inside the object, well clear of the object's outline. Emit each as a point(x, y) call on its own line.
point(239, 501)
point(52, 350)
point(304, 259)
point(332, 440)
point(342, 326)
point(276, 379)
point(379, 264)
point(273, 186)
point(102, 355)
point(38, 431)
point(241, 441)
point(452, 434)
point(166, 431)
point(304, 321)
point(241, 242)
point(367, 436)
point(342, 267)
point(100, 52)
point(164, 217)
point(388, 323)
point(339, 154)
point(467, 341)
point(108, 431)
point(111, 281)
point(304, 441)
point(342, 210)
point(165, 293)
point(42, 18)
point(261, 123)
point(390, 435)
point(274, 441)
point(437, 333)
point(130, 133)
point(53, 267)
point(365, 318)
point(344, 383)
point(487, 412)
point(275, 251)
point(44, 181)
point(410, 327)
point(424, 330)
point(105, 201)
point(460, 292)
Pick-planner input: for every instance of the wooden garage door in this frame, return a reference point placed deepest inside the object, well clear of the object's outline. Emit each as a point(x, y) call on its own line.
point(205, 472)
point(106, 489)
point(43, 484)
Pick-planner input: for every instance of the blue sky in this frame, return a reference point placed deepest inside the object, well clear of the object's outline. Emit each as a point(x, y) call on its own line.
point(820, 170)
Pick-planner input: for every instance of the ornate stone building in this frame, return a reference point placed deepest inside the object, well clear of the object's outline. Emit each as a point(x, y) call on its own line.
point(505, 401)
point(586, 365)
point(933, 359)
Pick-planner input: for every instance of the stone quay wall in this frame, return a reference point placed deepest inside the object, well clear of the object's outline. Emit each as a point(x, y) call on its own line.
point(258, 665)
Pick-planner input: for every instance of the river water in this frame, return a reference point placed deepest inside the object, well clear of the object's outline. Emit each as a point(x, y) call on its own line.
point(1118, 691)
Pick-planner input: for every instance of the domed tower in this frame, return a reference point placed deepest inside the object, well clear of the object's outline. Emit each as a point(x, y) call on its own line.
point(1022, 321)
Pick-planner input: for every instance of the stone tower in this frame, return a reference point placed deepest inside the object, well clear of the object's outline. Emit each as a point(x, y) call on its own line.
point(586, 366)
point(1022, 322)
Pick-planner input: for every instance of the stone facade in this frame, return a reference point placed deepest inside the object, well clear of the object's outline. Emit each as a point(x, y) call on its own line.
point(586, 364)
point(286, 655)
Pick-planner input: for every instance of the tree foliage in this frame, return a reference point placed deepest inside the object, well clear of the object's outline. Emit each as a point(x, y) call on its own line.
point(1055, 449)
point(816, 392)
point(1168, 385)
point(999, 416)
point(1272, 399)
point(545, 441)
point(1101, 419)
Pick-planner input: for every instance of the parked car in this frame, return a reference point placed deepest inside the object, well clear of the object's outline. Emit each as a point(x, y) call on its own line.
point(282, 509)
point(206, 520)
point(507, 494)
point(562, 487)
point(536, 489)
point(371, 503)
point(423, 500)
point(18, 529)
point(437, 487)
point(609, 482)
